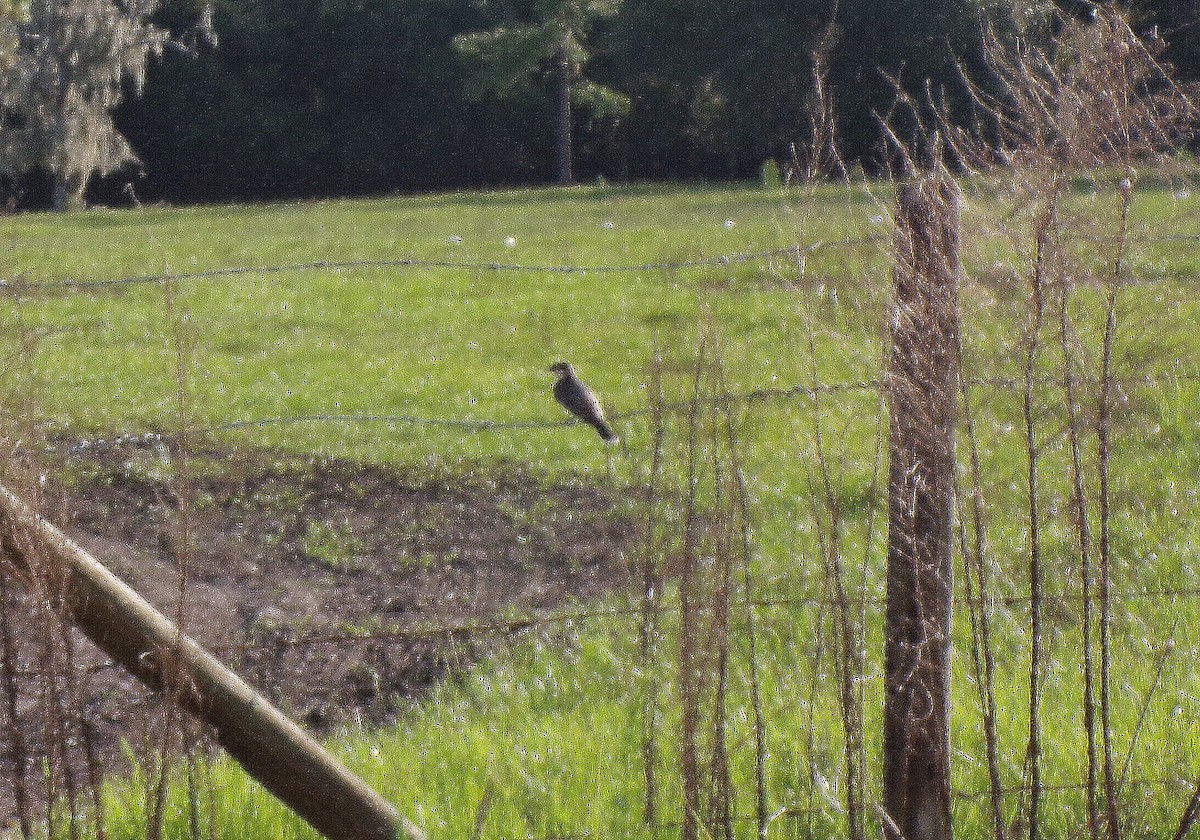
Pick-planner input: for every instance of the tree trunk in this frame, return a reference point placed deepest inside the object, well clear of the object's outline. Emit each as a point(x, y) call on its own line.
point(68, 193)
point(61, 194)
point(922, 382)
point(563, 66)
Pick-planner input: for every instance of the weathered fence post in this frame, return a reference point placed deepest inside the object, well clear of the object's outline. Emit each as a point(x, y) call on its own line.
point(921, 383)
point(271, 748)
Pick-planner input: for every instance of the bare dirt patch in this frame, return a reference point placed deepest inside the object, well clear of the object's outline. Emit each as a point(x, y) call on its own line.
point(340, 590)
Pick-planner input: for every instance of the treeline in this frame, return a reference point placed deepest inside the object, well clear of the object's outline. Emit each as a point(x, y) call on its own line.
point(344, 97)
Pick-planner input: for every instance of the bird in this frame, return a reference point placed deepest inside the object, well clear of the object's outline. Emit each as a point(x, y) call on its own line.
point(578, 399)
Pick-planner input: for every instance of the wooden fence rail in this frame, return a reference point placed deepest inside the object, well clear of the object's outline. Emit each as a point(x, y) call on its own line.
point(271, 748)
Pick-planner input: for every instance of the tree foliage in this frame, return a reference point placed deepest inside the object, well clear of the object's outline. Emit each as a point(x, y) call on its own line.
point(11, 13)
point(317, 97)
point(321, 97)
point(547, 34)
point(71, 63)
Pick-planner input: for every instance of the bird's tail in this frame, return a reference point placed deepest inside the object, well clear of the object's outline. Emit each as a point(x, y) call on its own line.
point(605, 430)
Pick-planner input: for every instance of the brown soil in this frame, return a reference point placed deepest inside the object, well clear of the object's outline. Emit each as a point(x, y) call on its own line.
point(320, 581)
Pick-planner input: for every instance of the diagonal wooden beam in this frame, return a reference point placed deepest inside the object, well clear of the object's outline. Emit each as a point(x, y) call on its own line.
point(264, 741)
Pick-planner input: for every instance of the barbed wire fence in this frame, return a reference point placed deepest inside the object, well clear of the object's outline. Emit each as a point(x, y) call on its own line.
point(453, 632)
point(794, 252)
point(757, 395)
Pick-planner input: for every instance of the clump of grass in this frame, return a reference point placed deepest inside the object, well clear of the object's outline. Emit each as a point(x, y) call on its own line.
point(333, 544)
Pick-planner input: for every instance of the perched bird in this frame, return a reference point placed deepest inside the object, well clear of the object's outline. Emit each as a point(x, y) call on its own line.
point(578, 399)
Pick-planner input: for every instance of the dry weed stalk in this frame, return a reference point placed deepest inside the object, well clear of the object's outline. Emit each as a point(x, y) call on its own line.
point(1104, 459)
point(742, 549)
point(16, 738)
point(706, 577)
point(1044, 236)
point(17, 419)
point(652, 591)
point(1093, 96)
point(692, 673)
point(725, 533)
point(18, 745)
point(978, 599)
point(67, 736)
point(1159, 667)
point(700, 530)
point(1080, 511)
point(71, 781)
point(95, 772)
point(817, 652)
point(821, 155)
point(850, 655)
point(175, 726)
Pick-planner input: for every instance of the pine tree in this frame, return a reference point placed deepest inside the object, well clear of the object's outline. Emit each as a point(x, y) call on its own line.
point(551, 36)
point(71, 60)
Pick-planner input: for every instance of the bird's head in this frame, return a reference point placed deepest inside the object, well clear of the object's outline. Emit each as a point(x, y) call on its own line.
point(561, 369)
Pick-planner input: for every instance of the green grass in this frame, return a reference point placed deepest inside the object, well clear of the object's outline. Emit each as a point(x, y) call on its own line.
point(550, 726)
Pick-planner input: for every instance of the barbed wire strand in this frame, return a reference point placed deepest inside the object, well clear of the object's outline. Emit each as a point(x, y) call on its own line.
point(765, 394)
point(794, 251)
point(514, 626)
point(519, 625)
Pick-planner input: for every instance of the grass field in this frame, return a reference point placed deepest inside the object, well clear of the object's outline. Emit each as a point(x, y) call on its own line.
point(543, 741)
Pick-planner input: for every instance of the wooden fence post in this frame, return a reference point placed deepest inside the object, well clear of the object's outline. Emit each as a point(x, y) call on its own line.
point(271, 748)
point(922, 382)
